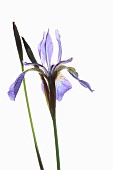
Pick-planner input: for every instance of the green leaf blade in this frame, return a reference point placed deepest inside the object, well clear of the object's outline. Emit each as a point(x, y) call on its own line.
point(29, 51)
point(18, 42)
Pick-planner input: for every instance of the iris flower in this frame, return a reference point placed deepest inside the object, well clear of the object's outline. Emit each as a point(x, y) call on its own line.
point(54, 84)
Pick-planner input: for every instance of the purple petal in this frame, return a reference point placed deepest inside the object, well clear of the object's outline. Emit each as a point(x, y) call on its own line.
point(60, 46)
point(36, 64)
point(13, 90)
point(30, 64)
point(61, 62)
point(74, 74)
point(65, 61)
point(42, 49)
point(49, 49)
point(62, 86)
point(85, 84)
point(42, 87)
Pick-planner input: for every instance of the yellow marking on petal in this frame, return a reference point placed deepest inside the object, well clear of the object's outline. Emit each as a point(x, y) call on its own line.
point(59, 68)
point(72, 69)
point(59, 78)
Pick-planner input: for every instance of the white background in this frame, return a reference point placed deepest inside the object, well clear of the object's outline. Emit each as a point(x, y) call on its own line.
point(84, 119)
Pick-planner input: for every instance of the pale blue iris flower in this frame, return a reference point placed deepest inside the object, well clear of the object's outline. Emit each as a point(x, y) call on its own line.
point(49, 73)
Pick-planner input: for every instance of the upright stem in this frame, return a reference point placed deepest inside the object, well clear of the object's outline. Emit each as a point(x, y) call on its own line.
point(56, 143)
point(32, 127)
point(52, 107)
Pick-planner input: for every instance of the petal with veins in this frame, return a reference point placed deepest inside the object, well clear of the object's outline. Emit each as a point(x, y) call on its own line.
point(62, 86)
point(42, 49)
point(49, 49)
point(73, 72)
point(13, 90)
point(59, 45)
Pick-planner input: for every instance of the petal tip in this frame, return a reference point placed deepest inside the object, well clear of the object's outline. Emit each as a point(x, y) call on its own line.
point(11, 96)
point(85, 84)
point(14, 88)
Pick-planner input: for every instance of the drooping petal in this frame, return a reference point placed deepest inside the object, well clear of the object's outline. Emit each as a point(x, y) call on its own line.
point(49, 49)
point(62, 86)
point(85, 84)
point(13, 90)
point(73, 72)
point(60, 46)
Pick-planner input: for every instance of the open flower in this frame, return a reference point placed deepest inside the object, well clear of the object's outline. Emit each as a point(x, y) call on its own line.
point(54, 84)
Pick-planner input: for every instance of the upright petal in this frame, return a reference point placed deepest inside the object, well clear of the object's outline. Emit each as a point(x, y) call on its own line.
point(59, 44)
point(13, 90)
point(62, 86)
point(49, 49)
point(42, 49)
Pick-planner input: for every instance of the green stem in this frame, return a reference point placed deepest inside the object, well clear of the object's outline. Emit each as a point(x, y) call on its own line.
point(31, 122)
point(56, 143)
point(52, 107)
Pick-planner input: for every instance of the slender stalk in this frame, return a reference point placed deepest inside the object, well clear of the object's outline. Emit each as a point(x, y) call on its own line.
point(56, 143)
point(52, 107)
point(31, 123)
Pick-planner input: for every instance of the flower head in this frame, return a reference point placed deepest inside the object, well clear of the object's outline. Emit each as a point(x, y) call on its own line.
point(54, 84)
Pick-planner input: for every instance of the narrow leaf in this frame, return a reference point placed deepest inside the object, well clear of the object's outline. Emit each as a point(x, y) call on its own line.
point(18, 42)
point(29, 51)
